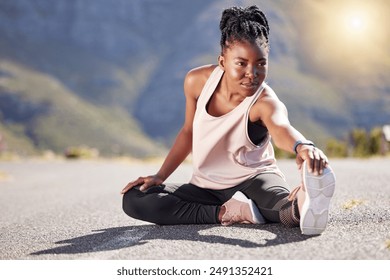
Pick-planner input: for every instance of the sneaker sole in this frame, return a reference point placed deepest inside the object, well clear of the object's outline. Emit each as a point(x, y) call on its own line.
point(318, 191)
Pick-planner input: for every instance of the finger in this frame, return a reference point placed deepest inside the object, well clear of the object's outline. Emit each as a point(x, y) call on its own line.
point(310, 161)
point(132, 184)
point(316, 161)
point(324, 162)
point(321, 165)
point(299, 160)
point(143, 187)
point(125, 189)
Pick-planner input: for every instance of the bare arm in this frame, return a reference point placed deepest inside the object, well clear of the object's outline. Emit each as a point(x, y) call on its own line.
point(273, 114)
point(182, 146)
point(183, 142)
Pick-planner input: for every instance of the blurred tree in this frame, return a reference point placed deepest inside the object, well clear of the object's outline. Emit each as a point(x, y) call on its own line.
point(374, 141)
point(359, 141)
point(336, 148)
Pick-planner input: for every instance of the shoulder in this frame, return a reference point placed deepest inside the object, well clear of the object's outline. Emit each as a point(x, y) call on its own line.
point(268, 94)
point(196, 79)
point(202, 72)
point(269, 102)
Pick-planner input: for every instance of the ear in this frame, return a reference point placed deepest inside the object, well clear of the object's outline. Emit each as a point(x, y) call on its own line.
point(221, 62)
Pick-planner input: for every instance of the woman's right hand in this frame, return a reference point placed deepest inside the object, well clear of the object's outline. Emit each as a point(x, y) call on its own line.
point(144, 183)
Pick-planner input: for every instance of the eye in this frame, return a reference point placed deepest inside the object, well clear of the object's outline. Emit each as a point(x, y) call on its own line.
point(240, 63)
point(263, 63)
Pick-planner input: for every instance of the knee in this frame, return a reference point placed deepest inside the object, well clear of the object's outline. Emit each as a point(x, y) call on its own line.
point(130, 203)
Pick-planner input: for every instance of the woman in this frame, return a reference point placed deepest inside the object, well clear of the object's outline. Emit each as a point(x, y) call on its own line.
point(231, 115)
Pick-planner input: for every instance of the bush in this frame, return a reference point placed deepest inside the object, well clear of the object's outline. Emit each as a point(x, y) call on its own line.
point(375, 141)
point(360, 142)
point(335, 148)
point(81, 152)
point(367, 144)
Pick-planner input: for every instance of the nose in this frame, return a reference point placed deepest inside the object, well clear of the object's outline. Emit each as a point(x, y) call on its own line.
point(251, 72)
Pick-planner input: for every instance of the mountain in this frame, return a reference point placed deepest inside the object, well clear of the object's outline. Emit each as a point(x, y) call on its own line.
point(109, 74)
point(38, 111)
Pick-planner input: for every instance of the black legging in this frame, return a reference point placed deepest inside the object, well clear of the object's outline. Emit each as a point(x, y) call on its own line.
point(189, 204)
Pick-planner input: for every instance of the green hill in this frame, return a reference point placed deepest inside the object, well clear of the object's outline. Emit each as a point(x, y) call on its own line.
point(39, 111)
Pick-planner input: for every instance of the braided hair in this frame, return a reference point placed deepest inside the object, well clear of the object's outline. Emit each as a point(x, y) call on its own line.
point(243, 24)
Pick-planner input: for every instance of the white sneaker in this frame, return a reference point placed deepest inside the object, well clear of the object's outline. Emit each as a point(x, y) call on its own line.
point(319, 190)
point(240, 209)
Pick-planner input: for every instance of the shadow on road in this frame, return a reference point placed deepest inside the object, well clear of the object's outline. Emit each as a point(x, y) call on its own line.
point(124, 237)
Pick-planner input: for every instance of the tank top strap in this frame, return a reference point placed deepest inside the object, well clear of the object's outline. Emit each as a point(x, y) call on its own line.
point(210, 86)
point(252, 100)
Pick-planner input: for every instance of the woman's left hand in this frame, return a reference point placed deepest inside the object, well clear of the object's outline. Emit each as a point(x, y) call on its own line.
point(316, 159)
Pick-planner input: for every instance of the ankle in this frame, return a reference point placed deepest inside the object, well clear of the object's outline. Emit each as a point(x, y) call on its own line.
point(301, 196)
point(289, 214)
point(222, 211)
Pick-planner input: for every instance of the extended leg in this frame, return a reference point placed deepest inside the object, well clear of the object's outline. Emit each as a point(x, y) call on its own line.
point(308, 205)
point(169, 205)
point(314, 200)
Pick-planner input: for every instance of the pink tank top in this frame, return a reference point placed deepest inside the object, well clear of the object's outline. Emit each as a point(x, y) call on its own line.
point(223, 156)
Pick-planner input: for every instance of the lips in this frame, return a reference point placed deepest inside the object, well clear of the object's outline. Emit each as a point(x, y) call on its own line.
point(250, 85)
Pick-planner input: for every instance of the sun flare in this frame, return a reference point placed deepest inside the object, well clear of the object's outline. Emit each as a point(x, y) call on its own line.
point(356, 23)
point(353, 34)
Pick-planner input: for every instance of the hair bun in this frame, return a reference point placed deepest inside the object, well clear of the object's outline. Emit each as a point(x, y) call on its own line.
point(239, 23)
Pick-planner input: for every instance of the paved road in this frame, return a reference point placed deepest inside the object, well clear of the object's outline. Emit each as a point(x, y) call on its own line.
point(72, 210)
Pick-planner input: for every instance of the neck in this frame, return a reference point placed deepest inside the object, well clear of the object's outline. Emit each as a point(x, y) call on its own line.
point(230, 95)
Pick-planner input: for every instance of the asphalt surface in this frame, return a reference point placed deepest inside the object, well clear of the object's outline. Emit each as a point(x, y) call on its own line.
point(60, 210)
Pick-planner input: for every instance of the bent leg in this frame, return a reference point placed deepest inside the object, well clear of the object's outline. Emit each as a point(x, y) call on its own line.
point(256, 200)
point(169, 205)
point(269, 192)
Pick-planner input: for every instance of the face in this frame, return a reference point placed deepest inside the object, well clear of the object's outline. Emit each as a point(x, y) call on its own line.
point(245, 65)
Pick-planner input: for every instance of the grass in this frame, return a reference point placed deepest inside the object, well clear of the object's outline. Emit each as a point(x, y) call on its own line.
point(352, 203)
point(387, 244)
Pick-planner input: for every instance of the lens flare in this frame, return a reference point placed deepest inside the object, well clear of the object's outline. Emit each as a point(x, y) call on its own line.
point(351, 34)
point(356, 22)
